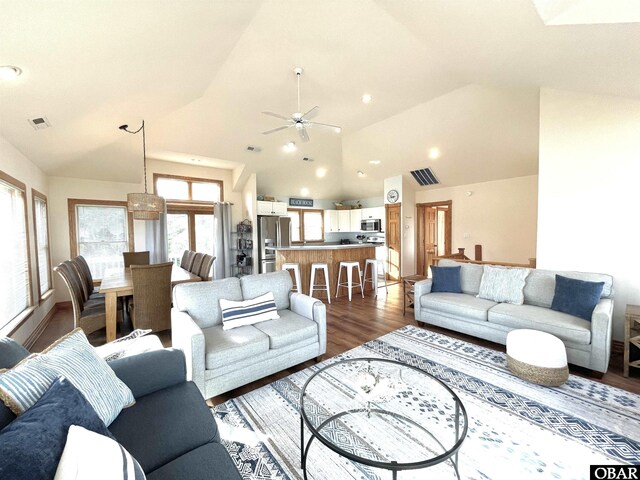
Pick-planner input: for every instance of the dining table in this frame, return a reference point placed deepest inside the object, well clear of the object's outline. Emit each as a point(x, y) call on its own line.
point(118, 282)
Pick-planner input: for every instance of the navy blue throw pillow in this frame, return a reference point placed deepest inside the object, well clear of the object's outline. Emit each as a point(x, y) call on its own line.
point(576, 297)
point(11, 352)
point(31, 445)
point(446, 279)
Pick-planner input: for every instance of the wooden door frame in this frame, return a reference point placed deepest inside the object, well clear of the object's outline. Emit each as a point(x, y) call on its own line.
point(448, 221)
point(387, 206)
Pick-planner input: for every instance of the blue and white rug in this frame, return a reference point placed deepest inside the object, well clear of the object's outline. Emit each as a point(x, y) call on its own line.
point(517, 430)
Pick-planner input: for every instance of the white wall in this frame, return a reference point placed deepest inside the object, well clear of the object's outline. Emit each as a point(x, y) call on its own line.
point(13, 163)
point(500, 215)
point(408, 213)
point(588, 194)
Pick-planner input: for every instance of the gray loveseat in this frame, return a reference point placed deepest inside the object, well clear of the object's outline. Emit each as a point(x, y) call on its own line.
point(588, 343)
point(220, 360)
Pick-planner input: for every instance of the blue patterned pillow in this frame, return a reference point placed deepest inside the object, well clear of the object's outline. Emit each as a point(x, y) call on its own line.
point(576, 297)
point(446, 279)
point(248, 312)
point(31, 445)
point(11, 352)
point(74, 358)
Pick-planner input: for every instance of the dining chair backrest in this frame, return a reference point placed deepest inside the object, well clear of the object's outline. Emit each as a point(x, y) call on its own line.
point(135, 258)
point(81, 262)
point(84, 281)
point(152, 296)
point(187, 258)
point(74, 292)
point(197, 263)
point(205, 269)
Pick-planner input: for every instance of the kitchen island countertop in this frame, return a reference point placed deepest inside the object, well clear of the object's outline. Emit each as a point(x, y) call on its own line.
point(324, 247)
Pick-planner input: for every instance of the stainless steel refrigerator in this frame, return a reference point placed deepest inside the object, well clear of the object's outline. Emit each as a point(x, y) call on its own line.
point(272, 232)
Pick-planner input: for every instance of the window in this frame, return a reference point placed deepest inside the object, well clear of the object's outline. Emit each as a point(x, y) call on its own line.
point(43, 253)
point(189, 212)
point(306, 225)
point(100, 231)
point(15, 283)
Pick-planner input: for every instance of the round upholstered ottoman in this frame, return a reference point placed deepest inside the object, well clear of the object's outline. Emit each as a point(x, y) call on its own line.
point(537, 357)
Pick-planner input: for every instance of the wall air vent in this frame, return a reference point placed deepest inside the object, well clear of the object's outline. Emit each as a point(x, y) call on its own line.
point(253, 149)
point(39, 123)
point(425, 176)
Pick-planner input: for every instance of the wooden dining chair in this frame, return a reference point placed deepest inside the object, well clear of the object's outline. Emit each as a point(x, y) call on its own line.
point(197, 263)
point(135, 258)
point(151, 306)
point(187, 259)
point(205, 269)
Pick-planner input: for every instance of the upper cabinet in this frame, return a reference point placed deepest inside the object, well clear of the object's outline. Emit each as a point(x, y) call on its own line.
point(373, 212)
point(344, 220)
point(356, 218)
point(272, 208)
point(331, 221)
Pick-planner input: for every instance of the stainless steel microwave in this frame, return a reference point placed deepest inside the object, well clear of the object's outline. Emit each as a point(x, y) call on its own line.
point(371, 225)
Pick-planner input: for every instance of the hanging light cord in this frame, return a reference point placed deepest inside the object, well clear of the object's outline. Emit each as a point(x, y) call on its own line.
point(144, 148)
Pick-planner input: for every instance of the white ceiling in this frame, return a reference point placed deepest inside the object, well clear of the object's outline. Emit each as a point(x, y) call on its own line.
point(463, 76)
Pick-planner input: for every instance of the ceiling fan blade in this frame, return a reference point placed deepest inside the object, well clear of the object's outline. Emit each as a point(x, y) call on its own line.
point(275, 130)
point(303, 134)
point(277, 115)
point(334, 128)
point(311, 113)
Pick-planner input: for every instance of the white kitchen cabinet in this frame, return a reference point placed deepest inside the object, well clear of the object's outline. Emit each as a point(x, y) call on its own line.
point(368, 213)
point(271, 208)
point(356, 217)
point(344, 220)
point(330, 221)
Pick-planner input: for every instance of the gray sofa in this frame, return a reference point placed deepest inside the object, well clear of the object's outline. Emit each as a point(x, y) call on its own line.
point(220, 360)
point(588, 343)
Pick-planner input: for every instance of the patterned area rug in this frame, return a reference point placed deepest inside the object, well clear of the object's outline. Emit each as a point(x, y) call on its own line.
point(517, 430)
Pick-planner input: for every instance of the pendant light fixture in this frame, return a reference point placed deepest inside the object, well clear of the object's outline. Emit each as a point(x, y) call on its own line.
point(145, 206)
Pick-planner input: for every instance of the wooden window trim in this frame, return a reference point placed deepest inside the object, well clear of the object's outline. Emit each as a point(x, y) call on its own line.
point(41, 196)
point(73, 227)
point(301, 214)
point(190, 181)
point(191, 212)
point(19, 319)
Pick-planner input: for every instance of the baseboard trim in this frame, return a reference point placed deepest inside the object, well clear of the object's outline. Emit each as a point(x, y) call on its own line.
point(35, 335)
point(617, 347)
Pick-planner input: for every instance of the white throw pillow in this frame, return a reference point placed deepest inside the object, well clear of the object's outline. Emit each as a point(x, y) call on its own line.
point(248, 312)
point(503, 284)
point(90, 456)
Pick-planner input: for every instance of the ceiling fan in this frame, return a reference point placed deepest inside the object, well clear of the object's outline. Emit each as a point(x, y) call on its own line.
point(299, 120)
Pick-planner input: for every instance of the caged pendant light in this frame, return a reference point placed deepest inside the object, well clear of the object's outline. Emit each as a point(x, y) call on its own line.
point(145, 206)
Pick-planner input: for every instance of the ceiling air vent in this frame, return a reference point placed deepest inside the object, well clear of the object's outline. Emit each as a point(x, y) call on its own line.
point(425, 176)
point(253, 149)
point(307, 159)
point(39, 123)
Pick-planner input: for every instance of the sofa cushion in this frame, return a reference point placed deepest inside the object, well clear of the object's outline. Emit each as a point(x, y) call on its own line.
point(503, 284)
point(164, 425)
point(209, 461)
point(457, 304)
point(248, 312)
point(201, 300)
point(288, 329)
point(540, 285)
point(277, 282)
point(223, 347)
point(576, 297)
point(565, 327)
point(11, 352)
point(446, 279)
point(470, 275)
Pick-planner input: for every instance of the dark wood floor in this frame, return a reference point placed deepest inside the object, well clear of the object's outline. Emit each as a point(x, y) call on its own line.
point(349, 324)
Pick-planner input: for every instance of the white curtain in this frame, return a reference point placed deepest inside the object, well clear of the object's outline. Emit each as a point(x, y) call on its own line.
point(156, 240)
point(222, 240)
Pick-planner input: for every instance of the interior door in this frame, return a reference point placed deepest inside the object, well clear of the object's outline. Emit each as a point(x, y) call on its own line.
point(394, 241)
point(431, 236)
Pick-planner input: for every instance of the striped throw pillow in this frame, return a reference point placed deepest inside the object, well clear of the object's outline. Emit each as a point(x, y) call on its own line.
point(89, 456)
point(75, 359)
point(248, 312)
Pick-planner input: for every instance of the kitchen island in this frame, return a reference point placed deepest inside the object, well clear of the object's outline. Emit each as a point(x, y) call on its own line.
point(332, 255)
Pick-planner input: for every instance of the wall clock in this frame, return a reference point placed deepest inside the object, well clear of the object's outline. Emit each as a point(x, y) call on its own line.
point(392, 196)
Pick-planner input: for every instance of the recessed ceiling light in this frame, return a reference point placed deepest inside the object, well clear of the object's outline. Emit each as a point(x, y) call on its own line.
point(338, 129)
point(374, 162)
point(290, 147)
point(321, 172)
point(360, 173)
point(9, 72)
point(434, 153)
point(304, 192)
point(366, 98)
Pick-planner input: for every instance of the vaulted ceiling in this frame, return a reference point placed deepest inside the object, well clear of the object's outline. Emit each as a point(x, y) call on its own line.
point(462, 76)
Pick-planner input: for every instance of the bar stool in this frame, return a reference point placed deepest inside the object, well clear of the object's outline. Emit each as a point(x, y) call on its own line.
point(375, 263)
point(325, 268)
point(349, 266)
point(296, 272)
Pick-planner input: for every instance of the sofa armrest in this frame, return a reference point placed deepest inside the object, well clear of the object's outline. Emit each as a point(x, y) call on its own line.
point(601, 333)
point(187, 336)
point(313, 309)
point(419, 289)
point(152, 371)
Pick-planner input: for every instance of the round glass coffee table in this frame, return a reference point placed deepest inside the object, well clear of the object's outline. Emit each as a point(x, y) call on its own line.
point(384, 414)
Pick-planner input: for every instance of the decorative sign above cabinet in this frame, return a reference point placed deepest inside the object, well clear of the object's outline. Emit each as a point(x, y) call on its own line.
point(300, 202)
